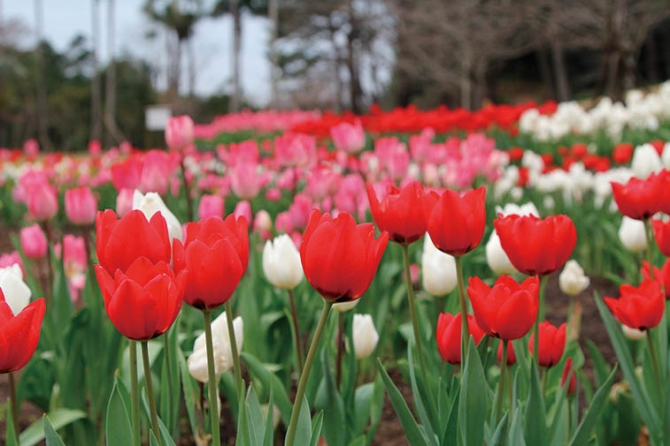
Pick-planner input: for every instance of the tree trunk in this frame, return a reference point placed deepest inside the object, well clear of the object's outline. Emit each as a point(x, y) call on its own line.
point(192, 72)
point(545, 72)
point(42, 109)
point(612, 88)
point(113, 134)
point(174, 66)
point(237, 49)
point(337, 61)
point(560, 73)
point(96, 127)
point(273, 12)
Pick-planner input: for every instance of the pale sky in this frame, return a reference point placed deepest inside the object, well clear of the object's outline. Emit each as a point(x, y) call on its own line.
point(63, 19)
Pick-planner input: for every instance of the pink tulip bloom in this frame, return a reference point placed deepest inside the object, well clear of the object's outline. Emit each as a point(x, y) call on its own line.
point(75, 264)
point(124, 202)
point(263, 224)
point(349, 138)
point(12, 258)
point(33, 242)
point(179, 132)
point(157, 170)
point(42, 201)
point(295, 150)
point(31, 148)
point(211, 206)
point(245, 180)
point(284, 223)
point(243, 209)
point(81, 206)
point(127, 174)
point(322, 182)
point(273, 194)
point(246, 151)
point(299, 210)
point(94, 148)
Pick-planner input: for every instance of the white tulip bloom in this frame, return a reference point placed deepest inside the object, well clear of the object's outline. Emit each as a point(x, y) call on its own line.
point(438, 268)
point(281, 262)
point(17, 294)
point(496, 257)
point(343, 307)
point(633, 333)
point(365, 335)
point(149, 204)
point(645, 161)
point(632, 235)
point(572, 279)
point(223, 356)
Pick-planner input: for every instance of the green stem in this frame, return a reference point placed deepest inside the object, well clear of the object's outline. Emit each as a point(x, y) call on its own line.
point(654, 363)
point(501, 383)
point(544, 373)
point(650, 246)
point(296, 329)
point(187, 189)
point(540, 317)
point(304, 376)
point(569, 412)
point(239, 382)
point(150, 391)
point(212, 380)
point(134, 392)
point(340, 348)
point(465, 333)
point(412, 303)
point(13, 402)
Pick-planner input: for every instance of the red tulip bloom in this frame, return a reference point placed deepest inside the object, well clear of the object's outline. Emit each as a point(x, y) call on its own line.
point(641, 308)
point(339, 257)
point(535, 245)
point(19, 334)
point(552, 344)
point(448, 335)
point(662, 235)
point(507, 310)
point(569, 372)
point(121, 241)
point(456, 223)
point(640, 199)
point(399, 212)
point(623, 152)
point(661, 275)
point(143, 301)
point(511, 355)
point(216, 253)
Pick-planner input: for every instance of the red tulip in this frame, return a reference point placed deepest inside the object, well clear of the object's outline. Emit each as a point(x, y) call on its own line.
point(448, 335)
point(507, 310)
point(641, 308)
point(81, 206)
point(661, 275)
point(511, 355)
point(456, 223)
point(623, 152)
point(121, 241)
point(552, 344)
point(143, 301)
point(568, 371)
point(398, 213)
point(662, 235)
point(19, 334)
point(216, 253)
point(640, 199)
point(535, 245)
point(339, 257)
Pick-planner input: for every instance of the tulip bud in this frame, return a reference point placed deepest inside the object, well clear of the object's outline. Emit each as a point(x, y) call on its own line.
point(223, 356)
point(632, 235)
point(281, 263)
point(343, 307)
point(364, 335)
point(151, 203)
point(569, 373)
point(572, 280)
point(439, 269)
point(17, 294)
point(633, 333)
point(33, 242)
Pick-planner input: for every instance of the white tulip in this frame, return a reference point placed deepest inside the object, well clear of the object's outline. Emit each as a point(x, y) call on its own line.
point(17, 293)
point(632, 235)
point(645, 161)
point(572, 279)
point(516, 209)
point(439, 269)
point(343, 307)
point(365, 336)
point(496, 257)
point(151, 203)
point(281, 262)
point(223, 356)
point(633, 333)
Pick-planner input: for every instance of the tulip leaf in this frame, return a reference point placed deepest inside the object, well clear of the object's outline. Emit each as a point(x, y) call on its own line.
point(317, 425)
point(583, 432)
point(117, 424)
point(451, 426)
point(360, 441)
point(363, 403)
point(376, 408)
point(640, 395)
point(52, 438)
point(414, 435)
point(270, 381)
point(152, 439)
point(329, 401)
point(58, 418)
point(516, 429)
point(10, 437)
point(418, 400)
point(474, 401)
point(304, 430)
point(255, 421)
point(190, 392)
point(535, 428)
point(500, 433)
point(268, 435)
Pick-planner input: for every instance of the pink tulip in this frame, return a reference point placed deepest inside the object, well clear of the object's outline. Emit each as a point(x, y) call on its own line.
point(263, 224)
point(243, 209)
point(295, 150)
point(42, 201)
point(31, 148)
point(75, 264)
point(81, 206)
point(245, 180)
point(94, 148)
point(124, 202)
point(299, 211)
point(246, 151)
point(322, 182)
point(273, 194)
point(284, 223)
point(349, 138)
point(127, 174)
point(12, 258)
point(33, 242)
point(179, 132)
point(158, 168)
point(211, 206)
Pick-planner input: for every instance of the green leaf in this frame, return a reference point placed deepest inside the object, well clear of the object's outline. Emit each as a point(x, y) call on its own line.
point(535, 428)
point(50, 434)
point(256, 423)
point(330, 402)
point(268, 436)
point(474, 400)
point(451, 425)
point(117, 424)
point(58, 418)
point(376, 408)
point(190, 392)
point(418, 400)
point(516, 430)
point(363, 403)
point(583, 432)
point(500, 433)
point(360, 441)
point(303, 434)
point(414, 435)
point(270, 381)
point(10, 438)
point(317, 425)
point(152, 439)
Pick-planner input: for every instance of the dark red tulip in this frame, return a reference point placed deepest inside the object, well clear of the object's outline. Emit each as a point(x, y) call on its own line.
point(456, 223)
point(569, 372)
point(641, 308)
point(215, 253)
point(339, 257)
point(552, 344)
point(448, 335)
point(398, 211)
point(535, 245)
point(19, 334)
point(507, 310)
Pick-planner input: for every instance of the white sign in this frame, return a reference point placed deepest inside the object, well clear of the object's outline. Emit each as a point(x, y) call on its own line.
point(156, 117)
